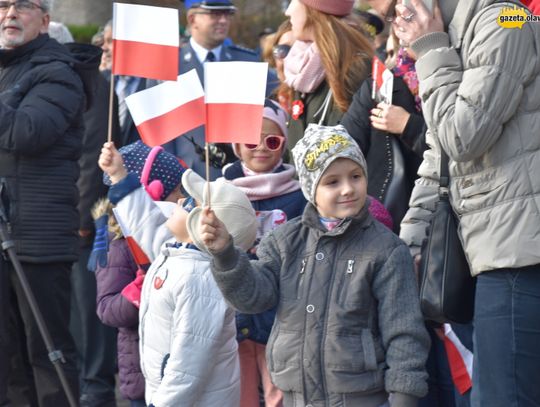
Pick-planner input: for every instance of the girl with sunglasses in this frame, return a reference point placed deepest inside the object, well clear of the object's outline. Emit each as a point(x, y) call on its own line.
point(276, 196)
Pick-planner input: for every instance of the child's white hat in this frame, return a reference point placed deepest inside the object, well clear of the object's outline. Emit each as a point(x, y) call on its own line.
point(230, 205)
point(320, 147)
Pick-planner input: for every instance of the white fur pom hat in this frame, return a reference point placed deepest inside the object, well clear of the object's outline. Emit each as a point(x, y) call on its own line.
point(230, 205)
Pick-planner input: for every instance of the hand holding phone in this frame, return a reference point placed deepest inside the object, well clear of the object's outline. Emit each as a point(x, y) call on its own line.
point(414, 21)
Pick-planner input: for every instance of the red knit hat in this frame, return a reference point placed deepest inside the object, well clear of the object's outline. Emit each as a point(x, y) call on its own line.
point(338, 8)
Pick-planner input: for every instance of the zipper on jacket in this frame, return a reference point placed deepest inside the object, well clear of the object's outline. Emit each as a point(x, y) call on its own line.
point(142, 322)
point(346, 279)
point(301, 278)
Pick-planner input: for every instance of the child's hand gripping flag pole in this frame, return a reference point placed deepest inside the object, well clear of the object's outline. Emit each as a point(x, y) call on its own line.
point(145, 43)
point(383, 82)
point(235, 94)
point(167, 110)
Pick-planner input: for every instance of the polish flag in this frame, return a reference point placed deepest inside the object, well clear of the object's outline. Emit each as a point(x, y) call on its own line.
point(383, 81)
point(146, 41)
point(234, 101)
point(165, 111)
point(140, 257)
point(460, 360)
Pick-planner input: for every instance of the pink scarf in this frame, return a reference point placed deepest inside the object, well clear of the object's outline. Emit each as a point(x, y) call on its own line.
point(303, 68)
point(258, 186)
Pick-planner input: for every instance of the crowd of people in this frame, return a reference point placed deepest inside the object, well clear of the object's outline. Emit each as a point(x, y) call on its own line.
point(297, 285)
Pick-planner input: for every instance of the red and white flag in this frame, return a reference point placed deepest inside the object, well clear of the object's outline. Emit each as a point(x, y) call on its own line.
point(140, 257)
point(460, 360)
point(168, 110)
point(234, 101)
point(146, 41)
point(383, 81)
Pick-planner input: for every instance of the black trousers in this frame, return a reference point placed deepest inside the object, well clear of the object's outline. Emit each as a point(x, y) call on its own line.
point(27, 376)
point(95, 342)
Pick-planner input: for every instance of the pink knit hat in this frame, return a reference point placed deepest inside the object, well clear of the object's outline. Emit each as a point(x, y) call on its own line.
point(337, 8)
point(380, 213)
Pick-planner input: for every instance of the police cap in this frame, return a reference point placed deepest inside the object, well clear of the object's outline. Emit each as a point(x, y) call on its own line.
point(210, 4)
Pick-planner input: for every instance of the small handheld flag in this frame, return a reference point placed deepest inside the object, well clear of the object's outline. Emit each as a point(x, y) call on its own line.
point(383, 82)
point(145, 41)
point(168, 110)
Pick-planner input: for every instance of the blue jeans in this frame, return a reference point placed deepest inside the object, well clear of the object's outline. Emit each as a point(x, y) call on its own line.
point(506, 370)
point(137, 403)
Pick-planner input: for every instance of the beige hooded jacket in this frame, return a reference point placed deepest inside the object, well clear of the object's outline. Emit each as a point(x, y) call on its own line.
point(480, 89)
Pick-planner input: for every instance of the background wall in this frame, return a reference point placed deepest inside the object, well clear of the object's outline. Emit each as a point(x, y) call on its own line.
point(252, 15)
point(82, 12)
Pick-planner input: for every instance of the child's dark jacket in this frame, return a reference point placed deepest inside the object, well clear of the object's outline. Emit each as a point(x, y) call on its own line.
point(348, 318)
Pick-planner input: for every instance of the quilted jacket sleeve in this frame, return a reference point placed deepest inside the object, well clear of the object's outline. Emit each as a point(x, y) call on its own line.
point(144, 220)
point(52, 99)
point(112, 308)
point(467, 98)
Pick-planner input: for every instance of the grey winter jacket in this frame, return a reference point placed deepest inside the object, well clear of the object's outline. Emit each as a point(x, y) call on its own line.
point(482, 106)
point(348, 320)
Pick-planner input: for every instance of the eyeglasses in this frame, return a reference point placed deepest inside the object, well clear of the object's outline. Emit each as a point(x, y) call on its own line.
point(280, 51)
point(272, 142)
point(216, 14)
point(21, 6)
point(189, 204)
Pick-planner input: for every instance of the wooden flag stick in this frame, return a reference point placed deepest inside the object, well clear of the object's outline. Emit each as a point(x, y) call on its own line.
point(374, 79)
point(111, 102)
point(207, 153)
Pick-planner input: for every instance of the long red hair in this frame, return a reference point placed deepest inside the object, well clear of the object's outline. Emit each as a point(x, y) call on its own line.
point(346, 53)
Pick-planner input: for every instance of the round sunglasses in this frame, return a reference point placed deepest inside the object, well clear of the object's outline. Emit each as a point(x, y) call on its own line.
point(280, 51)
point(272, 142)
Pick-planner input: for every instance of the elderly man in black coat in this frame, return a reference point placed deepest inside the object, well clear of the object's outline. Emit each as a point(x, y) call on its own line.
point(42, 101)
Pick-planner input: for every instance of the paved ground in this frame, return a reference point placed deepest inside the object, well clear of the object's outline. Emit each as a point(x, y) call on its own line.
point(120, 402)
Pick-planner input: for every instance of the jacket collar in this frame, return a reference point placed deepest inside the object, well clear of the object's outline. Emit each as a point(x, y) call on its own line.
point(310, 218)
point(7, 56)
point(202, 52)
point(172, 249)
